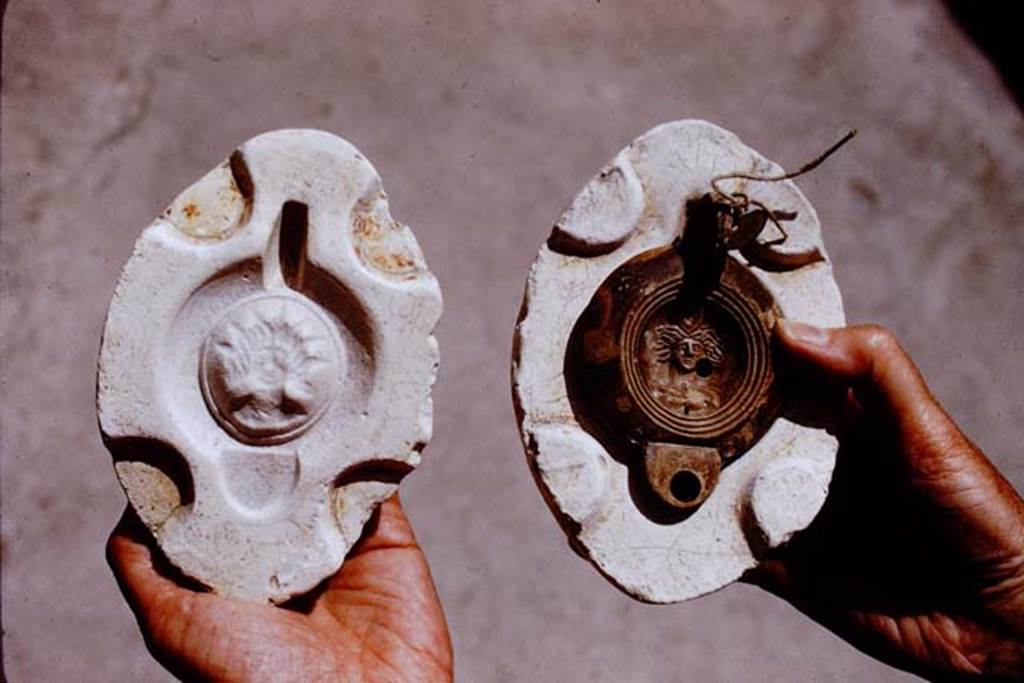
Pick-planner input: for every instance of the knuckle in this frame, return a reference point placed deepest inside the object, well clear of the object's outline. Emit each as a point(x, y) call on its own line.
point(880, 340)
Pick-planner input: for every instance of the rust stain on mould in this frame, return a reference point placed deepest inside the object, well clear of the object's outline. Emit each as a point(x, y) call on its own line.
point(382, 246)
point(213, 207)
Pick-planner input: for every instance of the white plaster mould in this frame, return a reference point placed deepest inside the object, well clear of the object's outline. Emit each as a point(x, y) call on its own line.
point(632, 205)
point(266, 365)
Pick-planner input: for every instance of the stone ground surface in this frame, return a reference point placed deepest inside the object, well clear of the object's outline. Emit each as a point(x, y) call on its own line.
point(484, 119)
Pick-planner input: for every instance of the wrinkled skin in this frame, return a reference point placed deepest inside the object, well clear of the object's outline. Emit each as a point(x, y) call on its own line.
point(917, 557)
point(377, 619)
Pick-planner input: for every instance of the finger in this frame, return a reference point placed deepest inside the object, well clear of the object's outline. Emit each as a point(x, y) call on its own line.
point(389, 529)
point(868, 357)
point(387, 561)
point(976, 501)
point(387, 569)
point(384, 593)
point(131, 558)
point(888, 384)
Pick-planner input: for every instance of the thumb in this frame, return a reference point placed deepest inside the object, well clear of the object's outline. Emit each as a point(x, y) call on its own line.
point(973, 499)
point(386, 583)
point(869, 359)
point(387, 562)
point(389, 529)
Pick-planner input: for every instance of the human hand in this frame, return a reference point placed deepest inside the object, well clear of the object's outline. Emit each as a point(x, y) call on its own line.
point(917, 557)
point(377, 619)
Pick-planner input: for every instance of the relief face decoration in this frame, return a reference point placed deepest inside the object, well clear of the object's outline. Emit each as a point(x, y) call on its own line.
point(677, 361)
point(642, 357)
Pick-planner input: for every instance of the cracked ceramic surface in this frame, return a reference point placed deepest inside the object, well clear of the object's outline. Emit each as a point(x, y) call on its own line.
point(266, 365)
point(633, 205)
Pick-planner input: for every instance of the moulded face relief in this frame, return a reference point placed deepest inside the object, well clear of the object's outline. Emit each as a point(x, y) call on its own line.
point(650, 406)
point(266, 365)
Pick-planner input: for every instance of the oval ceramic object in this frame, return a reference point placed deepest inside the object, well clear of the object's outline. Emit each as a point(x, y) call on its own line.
point(618, 393)
point(266, 366)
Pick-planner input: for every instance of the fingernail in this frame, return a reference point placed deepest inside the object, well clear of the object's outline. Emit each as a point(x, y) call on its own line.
point(804, 333)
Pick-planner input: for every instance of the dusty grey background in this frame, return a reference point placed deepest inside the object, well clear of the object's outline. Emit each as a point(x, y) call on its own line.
point(484, 119)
